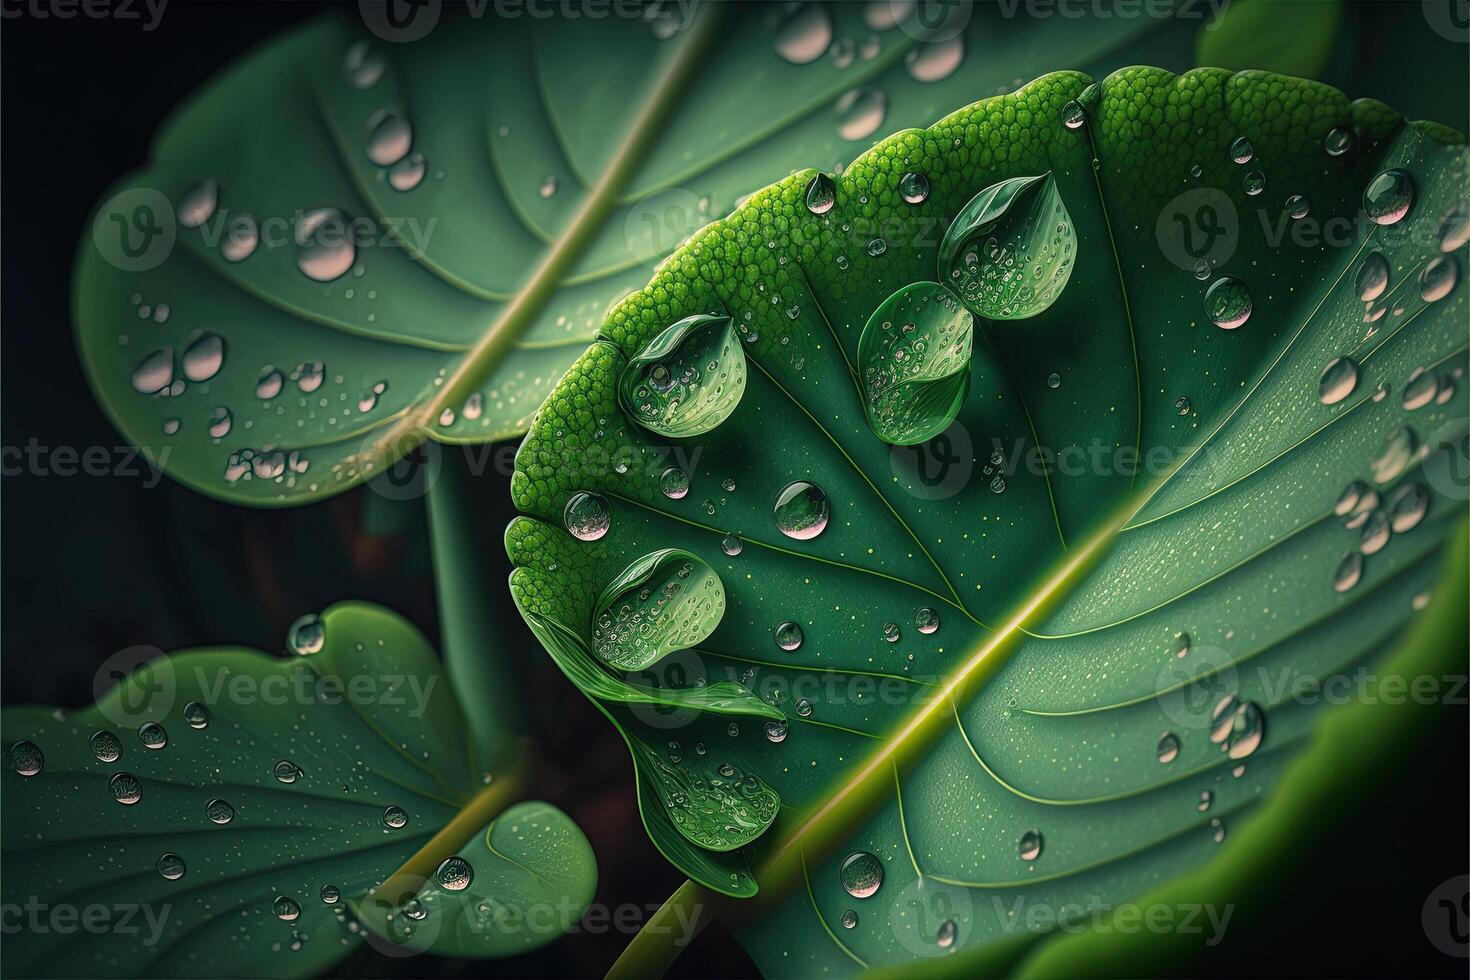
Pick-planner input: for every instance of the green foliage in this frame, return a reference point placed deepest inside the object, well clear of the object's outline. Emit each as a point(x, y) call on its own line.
point(286, 791)
point(1128, 540)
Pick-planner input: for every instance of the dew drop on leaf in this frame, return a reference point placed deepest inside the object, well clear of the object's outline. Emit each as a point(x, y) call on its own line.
point(331, 894)
point(1228, 303)
point(286, 909)
point(287, 771)
point(926, 620)
point(1181, 644)
point(1242, 151)
point(776, 731)
point(805, 35)
point(801, 510)
point(1438, 279)
point(1339, 379)
point(936, 60)
point(198, 204)
point(1375, 533)
point(155, 372)
point(945, 936)
point(849, 919)
point(914, 187)
point(395, 817)
point(688, 380)
point(1298, 206)
point(390, 137)
point(821, 194)
point(1073, 115)
point(1394, 458)
point(731, 545)
point(455, 874)
point(860, 112)
point(1168, 749)
point(1254, 183)
point(914, 363)
point(307, 635)
point(152, 735)
point(26, 758)
point(1407, 507)
point(219, 811)
point(1388, 197)
point(586, 515)
point(674, 483)
point(171, 866)
point(1454, 230)
point(1031, 844)
point(788, 635)
point(1372, 278)
point(861, 875)
point(1010, 250)
point(1338, 141)
point(124, 788)
point(665, 601)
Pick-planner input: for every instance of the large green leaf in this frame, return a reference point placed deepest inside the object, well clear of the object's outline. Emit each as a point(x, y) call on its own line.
point(563, 160)
point(297, 805)
point(1087, 608)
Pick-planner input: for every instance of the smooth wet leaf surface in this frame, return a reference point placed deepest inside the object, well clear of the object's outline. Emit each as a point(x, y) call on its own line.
point(344, 246)
point(229, 812)
point(1060, 647)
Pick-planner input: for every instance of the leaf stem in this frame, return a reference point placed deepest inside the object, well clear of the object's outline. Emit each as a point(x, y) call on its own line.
point(655, 947)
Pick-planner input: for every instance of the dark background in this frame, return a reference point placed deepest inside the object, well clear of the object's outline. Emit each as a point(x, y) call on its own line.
point(93, 565)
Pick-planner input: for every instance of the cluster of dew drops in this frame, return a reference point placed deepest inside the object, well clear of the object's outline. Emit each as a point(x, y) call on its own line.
point(306, 637)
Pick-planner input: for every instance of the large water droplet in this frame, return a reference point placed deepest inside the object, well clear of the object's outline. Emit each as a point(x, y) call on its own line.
point(1388, 197)
point(674, 483)
point(106, 746)
point(26, 758)
point(1438, 278)
point(937, 60)
point(395, 817)
point(196, 715)
point(914, 363)
point(586, 515)
point(1375, 533)
point(1407, 507)
point(821, 194)
point(1338, 141)
point(455, 874)
point(389, 140)
point(805, 35)
point(801, 510)
point(788, 635)
point(1397, 453)
point(219, 811)
point(1228, 303)
point(287, 909)
point(1339, 379)
point(926, 620)
point(1073, 115)
point(124, 788)
point(171, 866)
point(204, 357)
point(1247, 730)
point(152, 735)
point(1031, 845)
point(1010, 250)
point(665, 601)
point(1349, 572)
point(324, 243)
point(860, 113)
point(1420, 389)
point(861, 875)
point(307, 635)
point(1372, 277)
point(198, 204)
point(688, 380)
point(914, 187)
point(155, 372)
point(1454, 230)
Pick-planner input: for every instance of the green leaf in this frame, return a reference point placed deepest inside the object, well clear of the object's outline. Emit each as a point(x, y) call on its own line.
point(1293, 37)
point(544, 193)
point(281, 783)
point(1045, 652)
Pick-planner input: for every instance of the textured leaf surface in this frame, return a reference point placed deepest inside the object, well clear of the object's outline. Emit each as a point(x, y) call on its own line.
point(547, 192)
point(287, 790)
point(1064, 594)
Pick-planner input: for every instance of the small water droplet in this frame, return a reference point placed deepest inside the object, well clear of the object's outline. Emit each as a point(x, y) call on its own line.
point(287, 909)
point(1242, 151)
point(408, 173)
point(944, 938)
point(1349, 572)
point(106, 746)
point(1298, 206)
point(1398, 451)
point(390, 137)
point(1407, 507)
point(287, 771)
point(269, 385)
point(1073, 115)
point(1053, 380)
point(776, 731)
point(1228, 303)
point(1031, 845)
point(26, 758)
point(860, 112)
point(1388, 197)
point(1168, 748)
point(788, 635)
point(155, 372)
point(1438, 278)
point(586, 516)
point(171, 866)
point(1338, 141)
point(548, 186)
point(821, 194)
point(331, 894)
point(926, 620)
point(1375, 533)
point(219, 811)
point(801, 510)
point(1182, 406)
point(152, 735)
point(325, 247)
point(731, 545)
point(455, 874)
point(1339, 379)
point(198, 204)
point(1206, 797)
point(362, 65)
point(914, 187)
point(1254, 183)
point(242, 236)
point(1181, 644)
point(1454, 230)
point(877, 247)
point(674, 483)
point(124, 788)
point(806, 35)
point(891, 632)
point(849, 919)
point(395, 817)
point(936, 60)
point(861, 874)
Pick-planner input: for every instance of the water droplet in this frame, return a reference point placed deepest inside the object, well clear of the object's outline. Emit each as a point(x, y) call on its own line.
point(1348, 499)
point(1349, 572)
point(804, 708)
point(1372, 277)
point(105, 746)
point(805, 35)
point(1182, 406)
point(1031, 845)
point(1202, 269)
point(731, 545)
point(1010, 250)
point(861, 875)
point(1339, 379)
point(1247, 729)
point(26, 758)
point(1388, 197)
point(219, 811)
point(1218, 832)
point(242, 236)
point(788, 635)
point(152, 735)
point(1073, 115)
point(1407, 507)
point(937, 60)
point(287, 771)
point(1397, 453)
point(1298, 206)
point(1168, 749)
point(220, 421)
point(1438, 278)
point(324, 243)
point(914, 187)
point(891, 632)
point(1181, 644)
point(1454, 230)
point(1223, 717)
point(926, 620)
point(455, 874)
point(286, 909)
point(849, 919)
point(1420, 389)
point(331, 894)
point(1254, 183)
point(877, 247)
point(1242, 151)
point(688, 380)
point(1206, 797)
point(801, 510)
point(1375, 533)
point(414, 909)
point(1228, 303)
point(860, 112)
point(307, 635)
point(408, 173)
point(548, 186)
point(389, 140)
point(123, 787)
point(1338, 141)
point(586, 515)
point(155, 372)
point(310, 375)
point(944, 938)
point(914, 363)
point(171, 866)
point(269, 385)
point(821, 194)
point(1053, 380)
point(198, 204)
point(665, 601)
point(363, 65)
point(674, 483)
point(395, 817)
point(776, 732)
point(196, 715)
